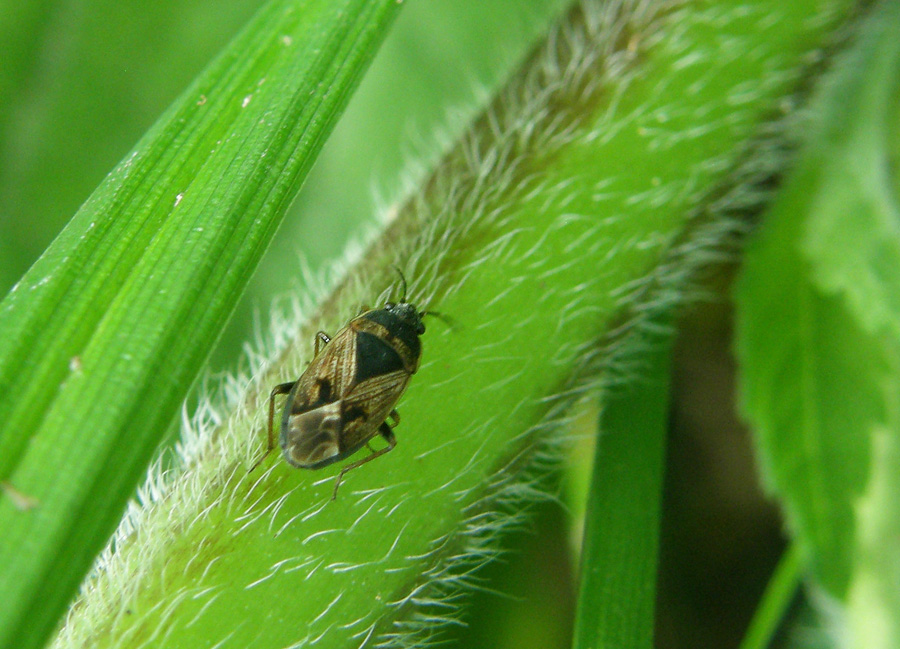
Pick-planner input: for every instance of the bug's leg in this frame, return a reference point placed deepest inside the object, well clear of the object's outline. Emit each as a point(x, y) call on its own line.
point(323, 338)
point(281, 388)
point(388, 435)
point(387, 432)
point(395, 416)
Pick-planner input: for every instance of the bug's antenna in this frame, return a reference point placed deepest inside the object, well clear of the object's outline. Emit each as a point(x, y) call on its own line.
point(447, 320)
point(402, 282)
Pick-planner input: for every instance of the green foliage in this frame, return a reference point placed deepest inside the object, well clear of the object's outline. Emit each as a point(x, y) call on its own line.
point(506, 236)
point(79, 84)
point(818, 338)
point(574, 210)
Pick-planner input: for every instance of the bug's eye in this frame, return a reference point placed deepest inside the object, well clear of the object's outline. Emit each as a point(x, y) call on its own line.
point(421, 328)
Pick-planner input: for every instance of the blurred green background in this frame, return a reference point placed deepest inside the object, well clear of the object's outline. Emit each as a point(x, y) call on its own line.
point(80, 81)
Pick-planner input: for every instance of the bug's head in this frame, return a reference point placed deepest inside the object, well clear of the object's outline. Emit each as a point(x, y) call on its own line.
point(407, 314)
point(403, 310)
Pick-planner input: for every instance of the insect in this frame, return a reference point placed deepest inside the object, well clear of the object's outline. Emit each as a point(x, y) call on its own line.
point(350, 388)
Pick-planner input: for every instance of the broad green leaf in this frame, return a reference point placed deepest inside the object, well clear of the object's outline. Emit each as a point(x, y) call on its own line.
point(617, 588)
point(811, 387)
point(852, 233)
point(818, 336)
point(575, 206)
point(101, 339)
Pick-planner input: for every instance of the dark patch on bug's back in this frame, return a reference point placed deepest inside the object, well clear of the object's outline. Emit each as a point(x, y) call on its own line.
point(374, 357)
point(398, 328)
point(316, 395)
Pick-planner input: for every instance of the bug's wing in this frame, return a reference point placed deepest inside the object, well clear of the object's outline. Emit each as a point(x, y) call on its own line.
point(313, 437)
point(371, 401)
point(332, 371)
point(383, 388)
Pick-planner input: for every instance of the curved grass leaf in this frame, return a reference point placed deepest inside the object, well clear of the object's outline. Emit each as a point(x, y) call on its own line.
point(101, 339)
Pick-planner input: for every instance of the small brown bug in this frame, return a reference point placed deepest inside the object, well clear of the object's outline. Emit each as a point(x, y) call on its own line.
point(350, 388)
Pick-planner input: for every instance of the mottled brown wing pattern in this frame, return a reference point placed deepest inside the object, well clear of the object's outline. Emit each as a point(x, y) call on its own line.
point(330, 374)
point(314, 436)
point(374, 399)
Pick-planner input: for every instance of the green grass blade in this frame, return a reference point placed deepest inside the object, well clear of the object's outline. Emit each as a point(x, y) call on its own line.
point(579, 203)
point(818, 337)
point(780, 591)
point(101, 339)
point(617, 588)
point(80, 83)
